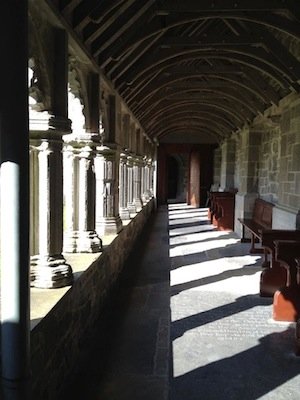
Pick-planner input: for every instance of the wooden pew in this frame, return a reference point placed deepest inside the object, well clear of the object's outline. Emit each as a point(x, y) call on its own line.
point(261, 219)
point(286, 302)
point(275, 275)
point(221, 210)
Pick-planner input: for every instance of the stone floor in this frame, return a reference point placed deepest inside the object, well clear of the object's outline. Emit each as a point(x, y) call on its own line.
point(188, 322)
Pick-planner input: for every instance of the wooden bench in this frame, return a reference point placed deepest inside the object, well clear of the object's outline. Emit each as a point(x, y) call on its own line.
point(261, 219)
point(286, 301)
point(275, 275)
point(221, 210)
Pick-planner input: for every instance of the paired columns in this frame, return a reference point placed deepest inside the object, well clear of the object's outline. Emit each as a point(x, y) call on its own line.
point(79, 189)
point(108, 220)
point(49, 268)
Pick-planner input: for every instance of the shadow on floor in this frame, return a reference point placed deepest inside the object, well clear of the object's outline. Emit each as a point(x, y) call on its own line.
point(247, 375)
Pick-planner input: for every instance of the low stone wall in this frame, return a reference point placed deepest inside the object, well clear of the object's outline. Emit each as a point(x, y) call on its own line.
point(57, 341)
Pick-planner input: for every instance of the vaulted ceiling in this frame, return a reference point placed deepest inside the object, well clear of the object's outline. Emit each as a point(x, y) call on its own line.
point(192, 66)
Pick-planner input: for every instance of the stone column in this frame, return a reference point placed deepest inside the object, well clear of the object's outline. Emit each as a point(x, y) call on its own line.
point(123, 189)
point(108, 220)
point(137, 181)
point(14, 195)
point(34, 196)
point(87, 240)
point(130, 203)
point(70, 199)
point(145, 182)
point(80, 185)
point(49, 268)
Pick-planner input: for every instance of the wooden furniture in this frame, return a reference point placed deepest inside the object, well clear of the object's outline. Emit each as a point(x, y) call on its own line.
point(221, 210)
point(286, 302)
point(275, 275)
point(261, 219)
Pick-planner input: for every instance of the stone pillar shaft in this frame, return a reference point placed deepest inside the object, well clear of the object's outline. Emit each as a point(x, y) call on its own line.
point(107, 208)
point(130, 202)
point(70, 200)
point(14, 196)
point(123, 190)
point(80, 234)
point(88, 240)
point(137, 184)
point(49, 268)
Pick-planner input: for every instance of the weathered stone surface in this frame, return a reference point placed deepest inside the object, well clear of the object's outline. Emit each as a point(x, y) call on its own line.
point(56, 342)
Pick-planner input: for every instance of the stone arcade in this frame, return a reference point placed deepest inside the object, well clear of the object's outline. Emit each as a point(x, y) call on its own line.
point(107, 108)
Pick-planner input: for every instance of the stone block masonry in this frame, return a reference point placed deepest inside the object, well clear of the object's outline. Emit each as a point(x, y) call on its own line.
point(57, 341)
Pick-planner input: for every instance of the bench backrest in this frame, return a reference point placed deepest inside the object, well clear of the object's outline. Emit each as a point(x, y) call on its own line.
point(262, 213)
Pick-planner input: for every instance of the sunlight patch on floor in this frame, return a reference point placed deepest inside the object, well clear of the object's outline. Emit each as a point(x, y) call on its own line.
point(194, 248)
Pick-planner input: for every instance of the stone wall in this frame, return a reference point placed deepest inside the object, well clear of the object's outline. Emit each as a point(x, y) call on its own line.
point(269, 158)
point(57, 341)
point(267, 164)
point(289, 177)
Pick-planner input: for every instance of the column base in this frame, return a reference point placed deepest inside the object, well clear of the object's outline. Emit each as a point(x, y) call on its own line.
point(145, 198)
point(70, 242)
point(49, 272)
point(286, 304)
point(132, 210)
point(124, 213)
point(88, 242)
point(138, 204)
point(109, 225)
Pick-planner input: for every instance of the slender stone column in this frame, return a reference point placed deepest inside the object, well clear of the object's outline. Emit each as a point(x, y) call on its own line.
point(148, 180)
point(80, 234)
point(14, 196)
point(130, 202)
point(108, 220)
point(151, 178)
point(88, 241)
point(70, 200)
point(137, 166)
point(34, 196)
point(49, 268)
point(123, 190)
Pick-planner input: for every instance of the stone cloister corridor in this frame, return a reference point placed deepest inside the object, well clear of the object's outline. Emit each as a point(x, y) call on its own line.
point(189, 323)
point(143, 145)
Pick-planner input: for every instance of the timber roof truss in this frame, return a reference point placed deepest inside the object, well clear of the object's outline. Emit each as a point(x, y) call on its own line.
point(207, 66)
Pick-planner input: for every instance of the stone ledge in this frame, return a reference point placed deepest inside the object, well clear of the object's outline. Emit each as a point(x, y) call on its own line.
point(58, 336)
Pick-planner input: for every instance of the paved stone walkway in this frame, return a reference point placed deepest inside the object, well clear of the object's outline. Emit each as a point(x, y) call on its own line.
point(188, 322)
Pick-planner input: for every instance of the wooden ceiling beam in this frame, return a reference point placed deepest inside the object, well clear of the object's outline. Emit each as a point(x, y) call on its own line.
point(101, 39)
point(187, 119)
point(193, 111)
point(82, 13)
point(255, 57)
point(186, 123)
point(143, 31)
point(228, 94)
point(192, 128)
point(195, 6)
point(225, 82)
